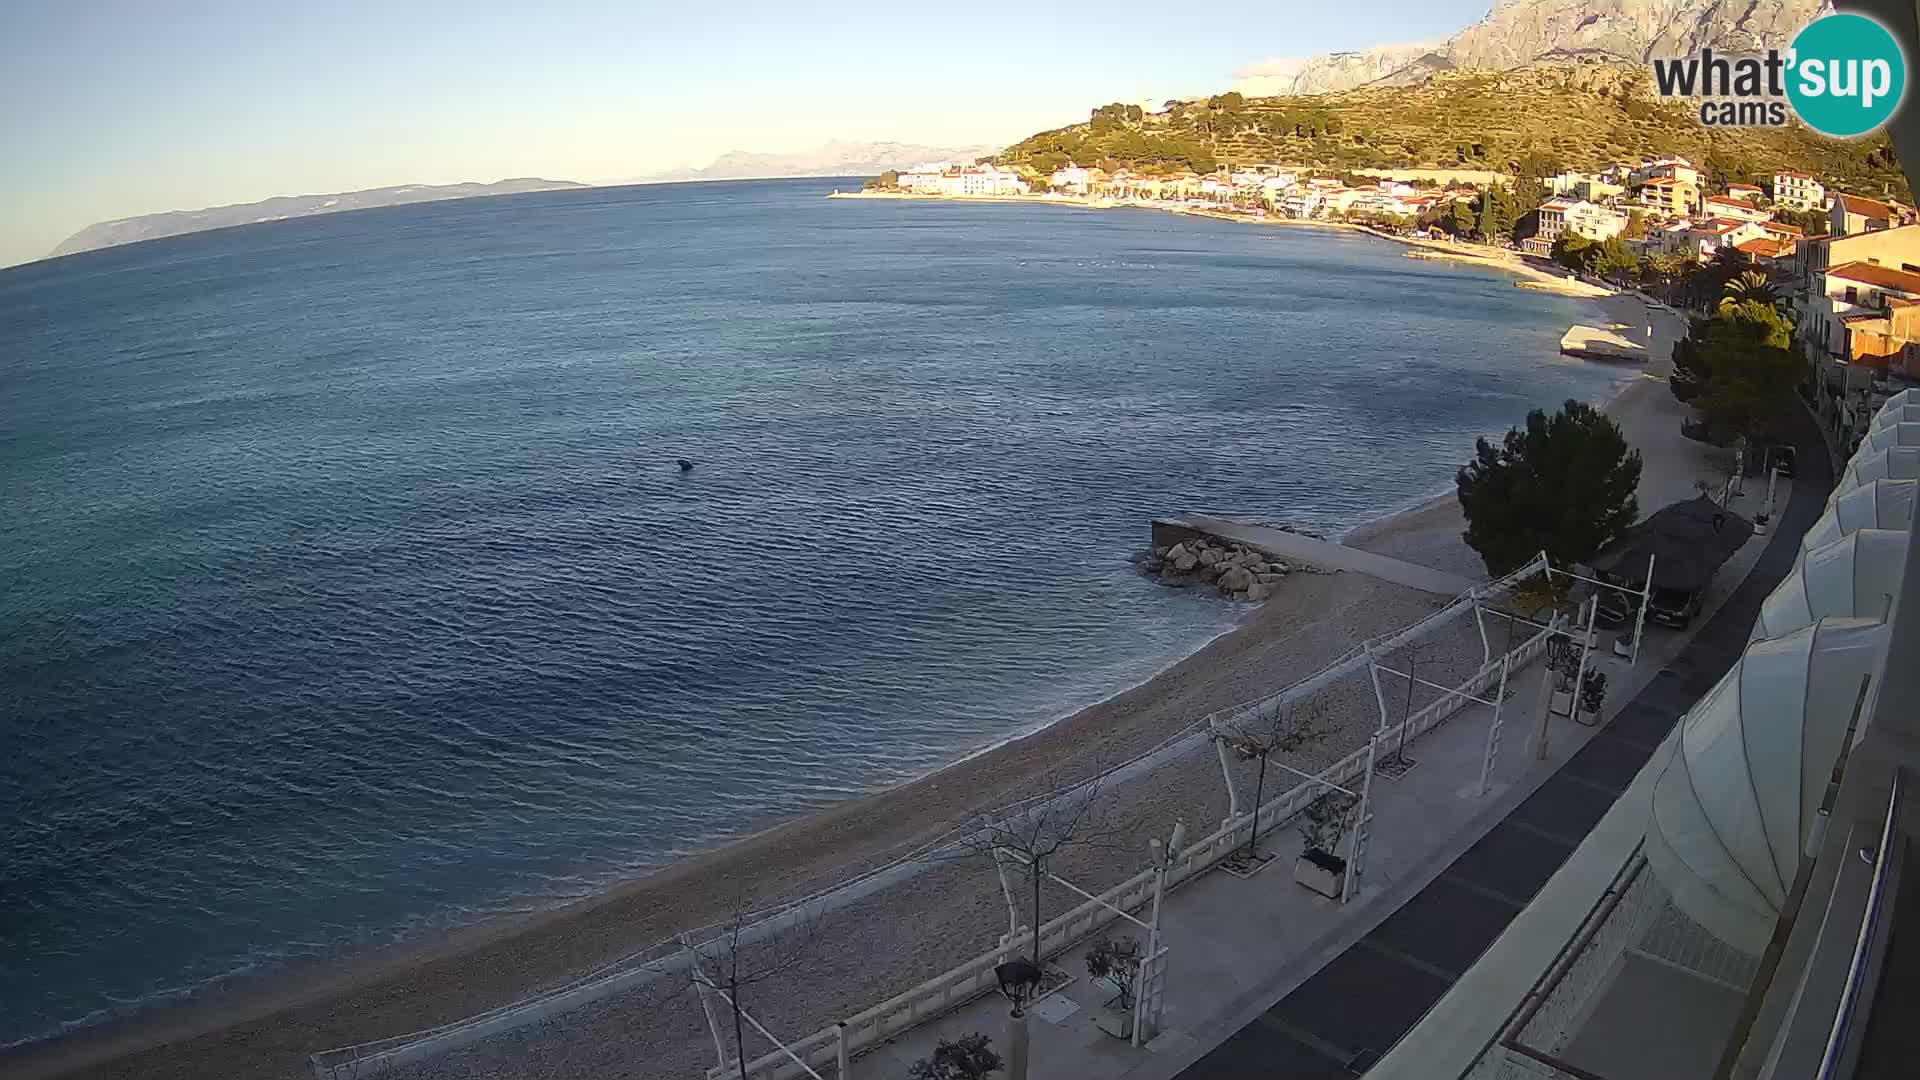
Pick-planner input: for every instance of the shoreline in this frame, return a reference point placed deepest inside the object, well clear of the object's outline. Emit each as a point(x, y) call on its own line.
point(1487, 256)
point(268, 1024)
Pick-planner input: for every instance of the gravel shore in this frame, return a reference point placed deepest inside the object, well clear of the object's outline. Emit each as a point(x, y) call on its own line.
point(885, 943)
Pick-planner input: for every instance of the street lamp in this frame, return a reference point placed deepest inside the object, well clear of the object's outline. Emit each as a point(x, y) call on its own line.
point(1019, 981)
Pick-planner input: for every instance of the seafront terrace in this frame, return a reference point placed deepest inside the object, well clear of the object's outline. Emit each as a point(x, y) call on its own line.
point(1233, 944)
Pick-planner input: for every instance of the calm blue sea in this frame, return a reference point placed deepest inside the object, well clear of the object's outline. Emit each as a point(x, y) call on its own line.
point(349, 589)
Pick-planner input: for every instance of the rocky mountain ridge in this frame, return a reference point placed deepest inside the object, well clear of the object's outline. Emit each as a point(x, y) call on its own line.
point(1519, 32)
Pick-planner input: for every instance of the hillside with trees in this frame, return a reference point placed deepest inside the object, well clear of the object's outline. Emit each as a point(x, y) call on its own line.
point(1534, 120)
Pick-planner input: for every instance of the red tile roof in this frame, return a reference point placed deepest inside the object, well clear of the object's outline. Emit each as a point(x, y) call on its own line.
point(1872, 208)
point(1881, 277)
point(1765, 247)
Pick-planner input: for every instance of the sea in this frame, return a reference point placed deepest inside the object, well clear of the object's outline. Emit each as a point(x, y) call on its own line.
point(351, 588)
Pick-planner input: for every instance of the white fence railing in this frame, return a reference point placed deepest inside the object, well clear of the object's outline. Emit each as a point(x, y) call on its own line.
point(972, 978)
point(960, 985)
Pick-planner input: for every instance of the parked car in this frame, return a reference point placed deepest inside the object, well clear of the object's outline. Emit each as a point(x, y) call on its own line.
point(1673, 607)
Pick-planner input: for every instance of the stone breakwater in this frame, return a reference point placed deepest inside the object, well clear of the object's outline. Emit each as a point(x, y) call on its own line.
point(1239, 572)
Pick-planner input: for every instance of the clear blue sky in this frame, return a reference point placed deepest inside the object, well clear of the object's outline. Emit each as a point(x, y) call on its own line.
point(115, 109)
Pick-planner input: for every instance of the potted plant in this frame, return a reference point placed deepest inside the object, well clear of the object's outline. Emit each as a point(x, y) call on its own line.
point(1322, 825)
point(969, 1057)
point(1116, 962)
point(1623, 643)
point(1760, 521)
point(1593, 692)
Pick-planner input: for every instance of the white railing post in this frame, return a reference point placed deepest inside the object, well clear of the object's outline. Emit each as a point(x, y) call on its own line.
point(1640, 617)
point(1226, 771)
point(1493, 730)
point(843, 1054)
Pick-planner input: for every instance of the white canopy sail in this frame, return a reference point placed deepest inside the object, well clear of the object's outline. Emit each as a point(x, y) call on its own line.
point(1895, 463)
point(1855, 576)
point(1889, 435)
point(1901, 400)
point(1896, 414)
point(1881, 504)
point(1744, 774)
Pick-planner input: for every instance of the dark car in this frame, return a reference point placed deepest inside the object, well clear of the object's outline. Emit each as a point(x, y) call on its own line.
point(1673, 607)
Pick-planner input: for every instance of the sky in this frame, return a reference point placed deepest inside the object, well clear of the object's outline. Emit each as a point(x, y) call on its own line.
point(112, 109)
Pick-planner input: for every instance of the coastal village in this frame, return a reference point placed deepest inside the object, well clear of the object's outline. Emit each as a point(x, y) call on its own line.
point(1845, 265)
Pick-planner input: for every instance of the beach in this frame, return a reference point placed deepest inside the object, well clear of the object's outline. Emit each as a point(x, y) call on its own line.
point(888, 940)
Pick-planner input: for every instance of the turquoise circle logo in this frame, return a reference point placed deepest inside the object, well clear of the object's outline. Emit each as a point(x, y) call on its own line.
point(1847, 75)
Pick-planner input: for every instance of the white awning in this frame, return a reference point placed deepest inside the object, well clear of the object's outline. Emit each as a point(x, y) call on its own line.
point(1891, 435)
point(1896, 414)
point(1880, 504)
point(1903, 399)
point(1743, 776)
point(1894, 463)
point(1855, 576)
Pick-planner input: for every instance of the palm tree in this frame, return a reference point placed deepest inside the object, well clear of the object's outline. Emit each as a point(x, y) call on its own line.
point(1749, 286)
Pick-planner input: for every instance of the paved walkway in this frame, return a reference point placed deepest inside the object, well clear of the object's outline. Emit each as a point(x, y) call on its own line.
point(1328, 555)
point(1339, 1022)
point(1449, 868)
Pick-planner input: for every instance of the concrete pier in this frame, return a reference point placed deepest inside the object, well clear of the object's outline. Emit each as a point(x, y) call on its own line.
point(1295, 548)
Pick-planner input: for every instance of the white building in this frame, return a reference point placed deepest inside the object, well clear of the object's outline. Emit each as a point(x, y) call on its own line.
point(1703, 239)
point(1677, 169)
point(1727, 206)
point(1075, 178)
point(1853, 289)
point(1798, 191)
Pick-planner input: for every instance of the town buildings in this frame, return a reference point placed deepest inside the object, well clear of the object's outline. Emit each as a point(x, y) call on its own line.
point(1798, 191)
point(1851, 214)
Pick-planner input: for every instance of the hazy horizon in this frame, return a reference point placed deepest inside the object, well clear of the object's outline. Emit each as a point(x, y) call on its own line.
point(125, 110)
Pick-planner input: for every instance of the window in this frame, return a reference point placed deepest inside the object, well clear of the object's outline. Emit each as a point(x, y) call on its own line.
point(1853, 295)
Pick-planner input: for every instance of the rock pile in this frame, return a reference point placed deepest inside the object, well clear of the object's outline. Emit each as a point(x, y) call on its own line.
point(1239, 572)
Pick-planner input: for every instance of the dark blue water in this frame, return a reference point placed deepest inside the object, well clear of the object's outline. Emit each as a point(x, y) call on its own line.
point(348, 589)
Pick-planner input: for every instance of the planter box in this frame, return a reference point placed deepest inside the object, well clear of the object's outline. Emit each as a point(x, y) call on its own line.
point(1562, 703)
point(1623, 647)
point(1323, 873)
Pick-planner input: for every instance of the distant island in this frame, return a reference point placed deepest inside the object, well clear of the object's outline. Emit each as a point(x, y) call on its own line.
point(830, 159)
point(176, 222)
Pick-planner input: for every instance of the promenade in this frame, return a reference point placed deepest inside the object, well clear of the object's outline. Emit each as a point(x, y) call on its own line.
point(1268, 979)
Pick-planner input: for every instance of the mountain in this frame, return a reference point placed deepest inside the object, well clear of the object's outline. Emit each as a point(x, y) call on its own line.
point(1532, 120)
point(1518, 32)
point(176, 222)
point(832, 159)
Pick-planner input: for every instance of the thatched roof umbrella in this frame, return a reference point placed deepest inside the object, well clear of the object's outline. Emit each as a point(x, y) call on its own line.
point(1688, 541)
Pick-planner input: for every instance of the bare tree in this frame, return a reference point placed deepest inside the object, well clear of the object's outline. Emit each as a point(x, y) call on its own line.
point(1266, 729)
point(748, 951)
point(1031, 833)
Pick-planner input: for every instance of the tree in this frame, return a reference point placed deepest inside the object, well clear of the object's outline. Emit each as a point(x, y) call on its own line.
point(886, 181)
point(1564, 485)
point(1496, 213)
point(748, 953)
point(1738, 368)
point(1749, 286)
point(1265, 729)
point(969, 1057)
point(1636, 228)
point(1030, 834)
point(1614, 258)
